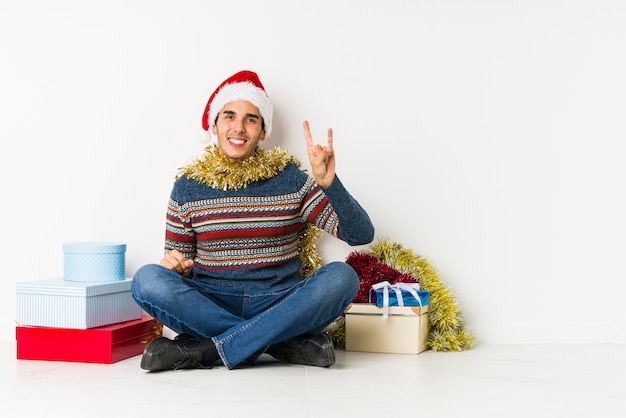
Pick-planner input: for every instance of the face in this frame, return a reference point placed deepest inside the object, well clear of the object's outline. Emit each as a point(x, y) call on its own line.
point(239, 128)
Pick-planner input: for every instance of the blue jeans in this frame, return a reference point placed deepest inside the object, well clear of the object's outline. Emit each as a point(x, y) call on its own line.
point(243, 323)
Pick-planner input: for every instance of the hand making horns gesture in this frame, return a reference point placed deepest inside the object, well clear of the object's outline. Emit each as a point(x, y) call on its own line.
point(322, 158)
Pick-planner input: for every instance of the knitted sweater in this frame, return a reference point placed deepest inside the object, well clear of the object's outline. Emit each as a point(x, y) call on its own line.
point(248, 238)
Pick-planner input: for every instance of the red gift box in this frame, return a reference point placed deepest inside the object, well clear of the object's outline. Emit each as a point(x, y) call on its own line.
point(107, 344)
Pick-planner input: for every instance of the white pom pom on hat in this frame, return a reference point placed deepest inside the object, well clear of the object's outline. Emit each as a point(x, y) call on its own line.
point(244, 85)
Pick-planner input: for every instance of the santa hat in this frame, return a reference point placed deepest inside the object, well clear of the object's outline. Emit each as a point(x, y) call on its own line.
point(245, 85)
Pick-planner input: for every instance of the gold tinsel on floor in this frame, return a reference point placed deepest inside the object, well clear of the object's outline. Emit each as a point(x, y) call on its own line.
point(447, 331)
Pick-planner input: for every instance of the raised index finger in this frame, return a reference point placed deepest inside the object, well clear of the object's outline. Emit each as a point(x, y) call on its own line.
point(307, 133)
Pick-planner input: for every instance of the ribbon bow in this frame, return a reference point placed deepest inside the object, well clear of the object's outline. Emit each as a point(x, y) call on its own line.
point(397, 288)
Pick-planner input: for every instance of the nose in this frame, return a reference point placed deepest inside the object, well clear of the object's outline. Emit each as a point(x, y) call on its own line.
point(239, 125)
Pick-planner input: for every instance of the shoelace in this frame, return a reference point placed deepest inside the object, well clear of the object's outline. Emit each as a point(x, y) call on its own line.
point(189, 358)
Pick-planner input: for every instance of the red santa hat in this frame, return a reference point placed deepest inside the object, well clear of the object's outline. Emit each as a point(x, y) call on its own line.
point(245, 85)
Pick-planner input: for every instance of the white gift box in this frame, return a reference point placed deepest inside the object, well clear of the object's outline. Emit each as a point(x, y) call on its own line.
point(81, 305)
point(94, 261)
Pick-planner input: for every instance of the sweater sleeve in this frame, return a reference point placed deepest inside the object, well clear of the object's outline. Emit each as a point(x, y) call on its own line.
point(353, 223)
point(179, 233)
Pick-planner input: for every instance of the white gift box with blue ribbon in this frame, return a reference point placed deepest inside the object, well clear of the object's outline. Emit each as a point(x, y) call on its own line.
point(392, 327)
point(59, 303)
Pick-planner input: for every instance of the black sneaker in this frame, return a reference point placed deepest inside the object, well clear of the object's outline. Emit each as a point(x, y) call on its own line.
point(310, 350)
point(165, 354)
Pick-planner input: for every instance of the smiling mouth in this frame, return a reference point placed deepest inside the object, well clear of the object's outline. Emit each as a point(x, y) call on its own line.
point(236, 141)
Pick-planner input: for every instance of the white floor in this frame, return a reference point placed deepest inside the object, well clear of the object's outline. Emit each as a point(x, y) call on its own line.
point(487, 381)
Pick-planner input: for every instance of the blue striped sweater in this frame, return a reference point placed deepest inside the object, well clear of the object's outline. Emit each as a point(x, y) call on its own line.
point(248, 238)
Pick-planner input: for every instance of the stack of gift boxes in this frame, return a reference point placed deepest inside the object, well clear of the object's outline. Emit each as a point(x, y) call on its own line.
point(88, 315)
point(394, 321)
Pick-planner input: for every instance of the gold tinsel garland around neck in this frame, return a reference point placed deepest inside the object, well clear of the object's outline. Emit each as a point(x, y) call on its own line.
point(221, 172)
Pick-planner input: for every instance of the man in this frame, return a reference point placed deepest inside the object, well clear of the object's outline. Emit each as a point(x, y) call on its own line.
point(230, 282)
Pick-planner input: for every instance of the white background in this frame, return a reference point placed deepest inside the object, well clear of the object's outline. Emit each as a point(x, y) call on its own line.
point(487, 136)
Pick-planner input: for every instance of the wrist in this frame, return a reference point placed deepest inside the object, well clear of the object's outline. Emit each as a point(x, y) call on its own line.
point(325, 183)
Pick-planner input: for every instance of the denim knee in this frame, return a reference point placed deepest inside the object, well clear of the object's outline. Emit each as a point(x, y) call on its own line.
point(349, 278)
point(343, 281)
point(143, 281)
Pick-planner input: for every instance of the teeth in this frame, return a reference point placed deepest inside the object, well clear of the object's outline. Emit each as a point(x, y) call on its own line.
point(237, 141)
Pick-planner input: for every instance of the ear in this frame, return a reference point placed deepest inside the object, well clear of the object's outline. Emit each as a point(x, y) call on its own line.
point(214, 129)
point(262, 136)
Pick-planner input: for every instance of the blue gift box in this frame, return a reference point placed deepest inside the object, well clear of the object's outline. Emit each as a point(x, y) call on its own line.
point(408, 299)
point(94, 261)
